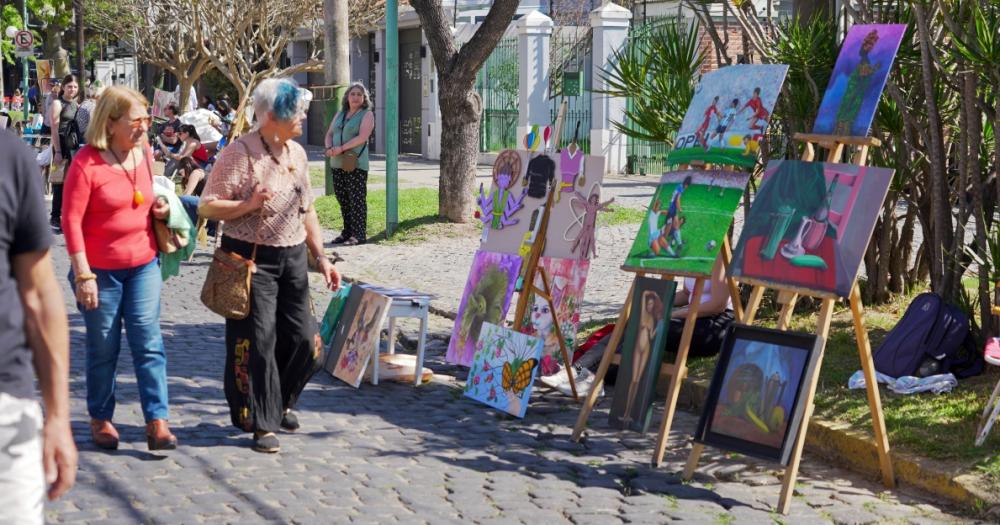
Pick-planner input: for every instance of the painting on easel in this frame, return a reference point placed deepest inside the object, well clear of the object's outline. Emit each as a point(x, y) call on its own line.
point(686, 222)
point(728, 116)
point(755, 404)
point(851, 98)
point(357, 335)
point(810, 224)
point(486, 299)
point(642, 352)
point(567, 278)
point(573, 219)
point(503, 369)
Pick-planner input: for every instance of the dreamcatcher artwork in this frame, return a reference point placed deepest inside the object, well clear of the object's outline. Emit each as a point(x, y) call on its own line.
point(569, 212)
point(503, 369)
point(498, 208)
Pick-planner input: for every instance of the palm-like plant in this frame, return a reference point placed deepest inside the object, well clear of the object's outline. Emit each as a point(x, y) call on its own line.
point(657, 70)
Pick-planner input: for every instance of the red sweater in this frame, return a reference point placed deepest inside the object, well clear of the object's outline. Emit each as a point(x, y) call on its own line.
point(98, 214)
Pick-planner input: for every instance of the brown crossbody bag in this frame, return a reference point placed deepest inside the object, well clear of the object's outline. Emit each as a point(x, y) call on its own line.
point(227, 286)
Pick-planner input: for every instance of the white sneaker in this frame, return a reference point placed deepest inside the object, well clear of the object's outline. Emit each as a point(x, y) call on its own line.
point(560, 381)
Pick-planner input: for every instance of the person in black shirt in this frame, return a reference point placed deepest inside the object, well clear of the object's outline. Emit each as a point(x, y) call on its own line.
point(33, 328)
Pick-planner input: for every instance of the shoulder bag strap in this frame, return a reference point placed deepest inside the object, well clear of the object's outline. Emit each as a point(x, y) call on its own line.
point(260, 221)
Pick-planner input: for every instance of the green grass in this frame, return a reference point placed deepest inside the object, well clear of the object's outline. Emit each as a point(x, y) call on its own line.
point(316, 179)
point(620, 215)
point(708, 212)
point(418, 213)
point(714, 155)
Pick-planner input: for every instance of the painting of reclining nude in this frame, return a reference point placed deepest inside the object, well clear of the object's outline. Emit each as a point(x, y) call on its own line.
point(810, 224)
point(686, 221)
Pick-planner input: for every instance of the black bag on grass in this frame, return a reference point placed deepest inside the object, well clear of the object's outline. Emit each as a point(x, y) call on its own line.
point(933, 337)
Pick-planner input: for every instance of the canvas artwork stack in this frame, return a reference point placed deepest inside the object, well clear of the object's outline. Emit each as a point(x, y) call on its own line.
point(357, 337)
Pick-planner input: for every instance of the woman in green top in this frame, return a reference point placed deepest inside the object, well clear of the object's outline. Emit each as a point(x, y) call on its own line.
point(346, 144)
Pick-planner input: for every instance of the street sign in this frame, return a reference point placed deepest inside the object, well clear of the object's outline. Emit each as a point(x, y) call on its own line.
point(571, 84)
point(23, 39)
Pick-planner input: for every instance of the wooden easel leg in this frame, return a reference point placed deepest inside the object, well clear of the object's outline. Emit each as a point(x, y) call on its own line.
point(602, 369)
point(680, 370)
point(792, 471)
point(567, 360)
point(734, 287)
point(871, 386)
point(750, 312)
point(692, 463)
point(787, 300)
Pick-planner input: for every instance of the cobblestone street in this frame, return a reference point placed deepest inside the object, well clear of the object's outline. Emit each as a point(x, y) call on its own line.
point(395, 453)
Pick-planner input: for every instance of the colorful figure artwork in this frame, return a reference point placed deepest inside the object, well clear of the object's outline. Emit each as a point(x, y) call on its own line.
point(755, 404)
point(486, 299)
point(851, 98)
point(810, 224)
point(567, 278)
point(728, 116)
point(573, 214)
point(503, 369)
point(585, 223)
point(357, 336)
point(498, 209)
point(642, 352)
point(688, 217)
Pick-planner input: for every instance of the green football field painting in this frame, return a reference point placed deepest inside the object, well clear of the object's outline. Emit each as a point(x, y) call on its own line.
point(686, 221)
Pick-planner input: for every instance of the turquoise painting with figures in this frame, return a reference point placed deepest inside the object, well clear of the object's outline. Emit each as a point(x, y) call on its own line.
point(728, 116)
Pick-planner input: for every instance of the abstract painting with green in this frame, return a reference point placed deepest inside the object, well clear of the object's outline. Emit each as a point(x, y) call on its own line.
point(686, 222)
point(729, 115)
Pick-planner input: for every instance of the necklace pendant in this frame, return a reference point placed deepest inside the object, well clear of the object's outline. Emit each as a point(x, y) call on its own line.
point(137, 198)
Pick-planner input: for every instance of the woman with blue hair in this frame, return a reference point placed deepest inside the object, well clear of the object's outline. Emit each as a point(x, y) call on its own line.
point(260, 188)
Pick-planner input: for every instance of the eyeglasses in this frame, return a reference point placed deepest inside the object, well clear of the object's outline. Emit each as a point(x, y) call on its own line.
point(137, 123)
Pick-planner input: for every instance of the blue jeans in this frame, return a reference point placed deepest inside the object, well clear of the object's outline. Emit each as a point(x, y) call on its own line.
point(130, 297)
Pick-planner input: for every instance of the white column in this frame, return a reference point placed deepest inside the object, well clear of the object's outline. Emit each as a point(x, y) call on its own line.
point(379, 90)
point(430, 116)
point(534, 32)
point(610, 23)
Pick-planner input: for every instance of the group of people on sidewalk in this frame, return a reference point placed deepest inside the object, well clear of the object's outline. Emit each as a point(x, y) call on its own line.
point(260, 188)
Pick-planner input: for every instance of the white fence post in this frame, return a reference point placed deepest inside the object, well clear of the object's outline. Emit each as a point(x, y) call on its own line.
point(533, 40)
point(610, 23)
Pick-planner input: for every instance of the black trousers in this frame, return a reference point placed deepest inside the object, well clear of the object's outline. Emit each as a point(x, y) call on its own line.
point(272, 354)
point(706, 339)
point(351, 191)
point(56, 216)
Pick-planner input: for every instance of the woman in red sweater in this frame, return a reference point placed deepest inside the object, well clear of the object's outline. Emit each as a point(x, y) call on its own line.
point(107, 219)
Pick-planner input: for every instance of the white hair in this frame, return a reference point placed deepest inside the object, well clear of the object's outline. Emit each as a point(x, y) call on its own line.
point(280, 98)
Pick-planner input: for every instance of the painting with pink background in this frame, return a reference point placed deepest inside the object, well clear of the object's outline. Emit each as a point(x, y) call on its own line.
point(567, 277)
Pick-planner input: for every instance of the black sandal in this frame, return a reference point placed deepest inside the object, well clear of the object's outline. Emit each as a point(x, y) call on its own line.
point(353, 241)
point(339, 240)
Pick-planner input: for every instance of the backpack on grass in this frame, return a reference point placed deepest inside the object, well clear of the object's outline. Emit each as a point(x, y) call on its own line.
point(933, 337)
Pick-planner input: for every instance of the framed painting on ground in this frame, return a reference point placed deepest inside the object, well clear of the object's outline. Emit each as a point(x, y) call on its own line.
point(503, 369)
point(567, 278)
point(728, 115)
point(642, 352)
point(486, 299)
point(686, 221)
point(357, 335)
point(756, 401)
point(865, 59)
point(810, 224)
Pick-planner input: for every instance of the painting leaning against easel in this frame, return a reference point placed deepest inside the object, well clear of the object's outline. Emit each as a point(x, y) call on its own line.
point(851, 98)
point(642, 352)
point(357, 336)
point(567, 278)
point(756, 401)
point(728, 116)
point(686, 222)
point(486, 299)
point(810, 224)
point(503, 369)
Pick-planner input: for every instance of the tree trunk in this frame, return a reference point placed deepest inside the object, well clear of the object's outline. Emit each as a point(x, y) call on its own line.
point(184, 82)
point(80, 58)
point(460, 130)
point(336, 55)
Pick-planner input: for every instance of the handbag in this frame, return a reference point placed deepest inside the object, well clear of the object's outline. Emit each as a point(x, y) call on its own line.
point(349, 159)
point(57, 172)
point(227, 285)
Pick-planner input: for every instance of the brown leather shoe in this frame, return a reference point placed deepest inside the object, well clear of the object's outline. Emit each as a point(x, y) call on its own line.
point(158, 436)
point(104, 434)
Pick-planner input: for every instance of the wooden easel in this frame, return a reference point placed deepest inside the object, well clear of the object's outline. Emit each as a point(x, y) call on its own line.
point(788, 296)
point(678, 369)
point(532, 269)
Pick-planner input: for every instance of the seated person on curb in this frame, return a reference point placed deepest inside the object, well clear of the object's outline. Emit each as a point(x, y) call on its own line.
point(168, 143)
point(715, 314)
point(191, 147)
point(172, 121)
point(194, 182)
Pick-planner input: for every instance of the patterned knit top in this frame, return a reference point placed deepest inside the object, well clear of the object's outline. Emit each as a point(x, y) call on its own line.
point(245, 163)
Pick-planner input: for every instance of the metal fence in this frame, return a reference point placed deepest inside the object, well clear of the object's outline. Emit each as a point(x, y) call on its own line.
point(570, 54)
point(497, 83)
point(643, 157)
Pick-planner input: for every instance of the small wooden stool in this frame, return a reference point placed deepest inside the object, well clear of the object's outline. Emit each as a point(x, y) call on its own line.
point(415, 306)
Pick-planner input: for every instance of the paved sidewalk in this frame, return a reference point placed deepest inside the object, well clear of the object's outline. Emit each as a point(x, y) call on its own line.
point(395, 453)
